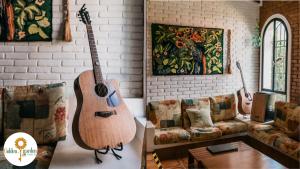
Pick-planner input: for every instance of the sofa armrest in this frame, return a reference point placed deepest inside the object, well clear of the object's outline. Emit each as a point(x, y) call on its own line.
point(150, 133)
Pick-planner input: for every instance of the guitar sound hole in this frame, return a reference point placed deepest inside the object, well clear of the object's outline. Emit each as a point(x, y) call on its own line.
point(101, 90)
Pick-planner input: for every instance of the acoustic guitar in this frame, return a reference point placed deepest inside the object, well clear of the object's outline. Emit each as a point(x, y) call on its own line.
point(244, 97)
point(102, 118)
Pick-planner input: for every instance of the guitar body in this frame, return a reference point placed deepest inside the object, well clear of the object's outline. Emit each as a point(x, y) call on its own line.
point(244, 103)
point(96, 132)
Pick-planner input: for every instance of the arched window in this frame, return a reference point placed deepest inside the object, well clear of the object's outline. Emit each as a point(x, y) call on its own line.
point(275, 57)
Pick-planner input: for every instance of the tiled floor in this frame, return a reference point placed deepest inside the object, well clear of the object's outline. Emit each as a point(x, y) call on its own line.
point(178, 163)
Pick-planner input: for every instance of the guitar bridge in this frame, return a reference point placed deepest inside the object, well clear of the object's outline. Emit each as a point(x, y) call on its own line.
point(105, 114)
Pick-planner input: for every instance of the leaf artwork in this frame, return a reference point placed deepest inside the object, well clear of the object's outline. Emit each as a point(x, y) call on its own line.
point(32, 20)
point(181, 50)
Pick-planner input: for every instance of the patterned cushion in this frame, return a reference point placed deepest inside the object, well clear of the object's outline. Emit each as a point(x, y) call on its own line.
point(39, 110)
point(190, 104)
point(231, 126)
point(200, 117)
point(288, 146)
point(265, 133)
point(164, 114)
point(42, 160)
point(199, 134)
point(287, 116)
point(171, 135)
point(223, 107)
point(275, 137)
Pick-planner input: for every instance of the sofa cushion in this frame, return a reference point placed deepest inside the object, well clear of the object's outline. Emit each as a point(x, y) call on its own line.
point(223, 107)
point(288, 146)
point(231, 126)
point(171, 135)
point(201, 134)
point(287, 116)
point(42, 160)
point(200, 117)
point(265, 133)
point(190, 104)
point(39, 110)
point(164, 114)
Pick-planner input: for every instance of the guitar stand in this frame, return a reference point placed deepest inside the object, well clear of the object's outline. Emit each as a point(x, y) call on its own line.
point(118, 157)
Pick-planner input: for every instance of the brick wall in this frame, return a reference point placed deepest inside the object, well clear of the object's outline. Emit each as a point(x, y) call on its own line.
point(118, 28)
point(240, 17)
point(291, 10)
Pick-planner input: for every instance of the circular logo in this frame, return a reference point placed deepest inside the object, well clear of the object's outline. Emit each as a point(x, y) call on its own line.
point(20, 149)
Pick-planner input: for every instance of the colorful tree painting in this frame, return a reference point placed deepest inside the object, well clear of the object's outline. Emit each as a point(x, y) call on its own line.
point(182, 50)
point(26, 20)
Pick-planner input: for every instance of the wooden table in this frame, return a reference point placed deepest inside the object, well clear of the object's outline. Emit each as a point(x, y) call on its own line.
point(246, 157)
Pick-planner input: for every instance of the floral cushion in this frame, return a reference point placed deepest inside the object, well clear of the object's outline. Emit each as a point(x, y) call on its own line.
point(171, 135)
point(42, 160)
point(164, 114)
point(231, 126)
point(223, 107)
point(287, 116)
point(288, 146)
point(39, 110)
point(199, 134)
point(265, 133)
point(191, 104)
point(275, 137)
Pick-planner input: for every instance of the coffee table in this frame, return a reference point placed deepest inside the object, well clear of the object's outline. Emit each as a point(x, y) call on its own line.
point(246, 157)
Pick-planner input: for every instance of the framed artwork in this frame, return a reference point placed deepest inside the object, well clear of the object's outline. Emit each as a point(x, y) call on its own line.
point(25, 20)
point(184, 50)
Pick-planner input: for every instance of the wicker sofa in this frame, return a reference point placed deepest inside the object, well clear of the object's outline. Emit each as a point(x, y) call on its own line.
point(169, 124)
point(283, 133)
point(39, 110)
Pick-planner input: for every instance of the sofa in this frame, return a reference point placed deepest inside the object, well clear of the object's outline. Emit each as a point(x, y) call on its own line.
point(173, 122)
point(283, 133)
point(39, 110)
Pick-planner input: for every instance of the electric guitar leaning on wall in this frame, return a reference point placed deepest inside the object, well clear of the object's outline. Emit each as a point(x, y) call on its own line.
point(102, 119)
point(244, 97)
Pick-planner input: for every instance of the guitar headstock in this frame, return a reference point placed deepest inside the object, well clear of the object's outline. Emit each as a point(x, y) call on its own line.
point(238, 65)
point(84, 15)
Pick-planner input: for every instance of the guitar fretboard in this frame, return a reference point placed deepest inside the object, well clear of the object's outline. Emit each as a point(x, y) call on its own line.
point(93, 49)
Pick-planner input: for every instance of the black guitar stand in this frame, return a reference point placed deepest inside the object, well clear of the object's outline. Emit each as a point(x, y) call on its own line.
point(118, 157)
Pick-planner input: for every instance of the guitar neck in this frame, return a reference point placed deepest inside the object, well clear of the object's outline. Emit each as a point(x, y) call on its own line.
point(93, 49)
point(243, 80)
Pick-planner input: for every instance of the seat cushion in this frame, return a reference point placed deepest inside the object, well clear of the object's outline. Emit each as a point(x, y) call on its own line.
point(39, 110)
point(265, 133)
point(201, 134)
point(223, 107)
point(287, 116)
point(190, 104)
point(171, 135)
point(231, 126)
point(42, 160)
point(288, 146)
point(164, 114)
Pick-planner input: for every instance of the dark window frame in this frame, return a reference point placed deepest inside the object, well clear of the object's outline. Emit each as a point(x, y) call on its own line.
point(273, 59)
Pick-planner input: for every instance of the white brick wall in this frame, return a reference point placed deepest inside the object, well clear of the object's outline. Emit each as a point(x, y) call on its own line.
point(240, 17)
point(118, 28)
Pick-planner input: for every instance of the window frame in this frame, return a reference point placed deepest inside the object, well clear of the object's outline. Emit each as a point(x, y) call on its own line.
point(288, 55)
point(273, 53)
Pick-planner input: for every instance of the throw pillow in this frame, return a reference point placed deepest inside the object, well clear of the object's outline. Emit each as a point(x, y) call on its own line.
point(223, 107)
point(39, 110)
point(200, 117)
point(164, 114)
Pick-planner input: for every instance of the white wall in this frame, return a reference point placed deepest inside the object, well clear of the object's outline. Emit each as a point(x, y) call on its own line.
point(240, 17)
point(118, 28)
